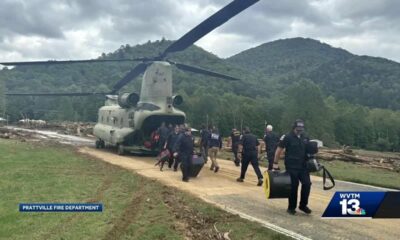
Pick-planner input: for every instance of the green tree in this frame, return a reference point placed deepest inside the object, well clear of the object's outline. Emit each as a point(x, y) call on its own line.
point(2, 99)
point(304, 100)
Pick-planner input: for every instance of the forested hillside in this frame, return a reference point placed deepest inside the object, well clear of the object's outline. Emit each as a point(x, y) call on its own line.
point(281, 81)
point(364, 80)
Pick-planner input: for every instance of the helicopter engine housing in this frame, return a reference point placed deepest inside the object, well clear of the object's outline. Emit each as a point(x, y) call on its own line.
point(127, 100)
point(177, 100)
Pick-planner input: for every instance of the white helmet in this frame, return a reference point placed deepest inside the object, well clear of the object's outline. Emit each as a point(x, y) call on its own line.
point(269, 127)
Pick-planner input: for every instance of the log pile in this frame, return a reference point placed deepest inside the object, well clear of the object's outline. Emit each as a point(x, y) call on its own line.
point(14, 134)
point(67, 128)
point(74, 128)
point(391, 163)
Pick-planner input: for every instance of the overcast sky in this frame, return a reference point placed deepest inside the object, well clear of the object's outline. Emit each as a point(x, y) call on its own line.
point(79, 29)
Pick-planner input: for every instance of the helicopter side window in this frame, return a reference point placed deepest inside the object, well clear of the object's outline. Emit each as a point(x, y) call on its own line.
point(122, 122)
point(115, 120)
point(102, 119)
point(108, 119)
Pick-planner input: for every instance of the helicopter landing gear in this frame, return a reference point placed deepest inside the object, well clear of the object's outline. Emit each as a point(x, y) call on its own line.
point(120, 149)
point(100, 144)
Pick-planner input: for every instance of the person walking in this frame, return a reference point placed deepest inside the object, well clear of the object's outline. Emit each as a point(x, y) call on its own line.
point(294, 144)
point(171, 141)
point(250, 145)
point(214, 144)
point(184, 150)
point(163, 133)
point(235, 140)
point(204, 135)
point(271, 143)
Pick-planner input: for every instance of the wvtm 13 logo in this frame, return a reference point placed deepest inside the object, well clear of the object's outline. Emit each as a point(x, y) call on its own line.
point(364, 205)
point(351, 204)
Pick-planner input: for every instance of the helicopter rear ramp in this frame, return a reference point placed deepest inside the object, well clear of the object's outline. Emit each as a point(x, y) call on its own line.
point(248, 200)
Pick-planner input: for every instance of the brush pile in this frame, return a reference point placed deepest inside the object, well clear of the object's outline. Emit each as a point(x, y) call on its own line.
point(390, 161)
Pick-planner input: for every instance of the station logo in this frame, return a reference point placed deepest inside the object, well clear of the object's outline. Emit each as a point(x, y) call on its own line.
point(351, 204)
point(364, 205)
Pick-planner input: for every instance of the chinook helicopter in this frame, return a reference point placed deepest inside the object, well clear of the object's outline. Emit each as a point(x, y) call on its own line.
point(127, 120)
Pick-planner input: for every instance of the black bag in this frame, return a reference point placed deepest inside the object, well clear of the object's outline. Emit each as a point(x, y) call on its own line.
point(311, 148)
point(197, 165)
point(314, 166)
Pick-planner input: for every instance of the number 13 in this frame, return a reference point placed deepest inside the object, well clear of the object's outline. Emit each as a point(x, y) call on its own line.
point(354, 204)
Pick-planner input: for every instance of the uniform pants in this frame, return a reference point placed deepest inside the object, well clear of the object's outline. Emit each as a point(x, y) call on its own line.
point(204, 152)
point(235, 149)
point(270, 157)
point(250, 157)
point(186, 165)
point(171, 158)
point(213, 152)
point(177, 161)
point(297, 176)
point(161, 144)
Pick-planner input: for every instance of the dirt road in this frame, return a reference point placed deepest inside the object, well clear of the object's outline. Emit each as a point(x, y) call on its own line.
point(248, 200)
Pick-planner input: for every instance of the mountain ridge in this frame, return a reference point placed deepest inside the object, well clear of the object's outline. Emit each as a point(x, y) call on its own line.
point(369, 81)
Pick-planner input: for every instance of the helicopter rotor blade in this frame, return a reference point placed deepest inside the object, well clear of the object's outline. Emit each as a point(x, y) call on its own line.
point(211, 23)
point(51, 62)
point(140, 68)
point(56, 94)
point(189, 68)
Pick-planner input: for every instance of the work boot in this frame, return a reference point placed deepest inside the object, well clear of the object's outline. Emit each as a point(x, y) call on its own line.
point(239, 180)
point(216, 169)
point(291, 211)
point(260, 182)
point(212, 168)
point(185, 179)
point(305, 209)
point(237, 163)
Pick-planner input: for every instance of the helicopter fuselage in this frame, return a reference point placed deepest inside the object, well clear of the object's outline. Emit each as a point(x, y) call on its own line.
point(130, 124)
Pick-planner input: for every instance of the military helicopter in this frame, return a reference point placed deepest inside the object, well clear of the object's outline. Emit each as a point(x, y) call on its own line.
point(127, 120)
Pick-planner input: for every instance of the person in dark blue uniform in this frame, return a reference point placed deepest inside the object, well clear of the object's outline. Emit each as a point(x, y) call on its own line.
point(235, 139)
point(184, 149)
point(250, 145)
point(163, 132)
point(294, 144)
point(171, 140)
point(271, 143)
point(204, 135)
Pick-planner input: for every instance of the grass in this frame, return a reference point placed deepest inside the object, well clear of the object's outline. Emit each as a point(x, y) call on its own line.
point(134, 207)
point(361, 174)
point(349, 171)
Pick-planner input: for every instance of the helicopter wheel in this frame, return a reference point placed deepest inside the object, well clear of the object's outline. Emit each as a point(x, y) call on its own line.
point(120, 149)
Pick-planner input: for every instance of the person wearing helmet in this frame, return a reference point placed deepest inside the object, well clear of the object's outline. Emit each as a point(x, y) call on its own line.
point(294, 144)
point(271, 143)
